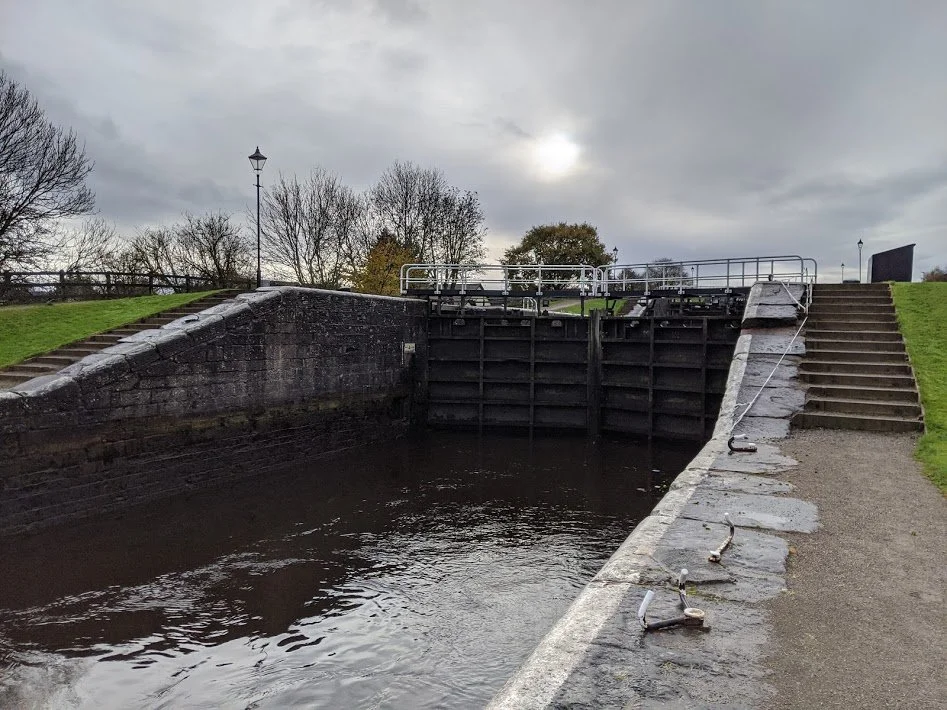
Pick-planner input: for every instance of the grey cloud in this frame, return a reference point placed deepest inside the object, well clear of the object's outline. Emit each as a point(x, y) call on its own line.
point(707, 129)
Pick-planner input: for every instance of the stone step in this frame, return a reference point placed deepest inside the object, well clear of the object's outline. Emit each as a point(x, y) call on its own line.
point(109, 338)
point(869, 325)
point(852, 380)
point(57, 358)
point(847, 312)
point(866, 299)
point(30, 368)
point(867, 334)
point(855, 367)
point(156, 321)
point(871, 407)
point(885, 394)
point(9, 379)
point(850, 288)
point(826, 420)
point(855, 356)
point(814, 345)
point(82, 349)
point(128, 330)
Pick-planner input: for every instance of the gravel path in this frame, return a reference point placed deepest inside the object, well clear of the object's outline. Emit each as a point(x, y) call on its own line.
point(863, 624)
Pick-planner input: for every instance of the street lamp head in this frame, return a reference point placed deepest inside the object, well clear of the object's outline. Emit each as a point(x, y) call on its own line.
point(614, 255)
point(860, 243)
point(257, 159)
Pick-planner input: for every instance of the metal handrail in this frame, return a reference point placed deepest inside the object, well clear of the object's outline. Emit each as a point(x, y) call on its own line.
point(505, 279)
point(727, 273)
point(591, 281)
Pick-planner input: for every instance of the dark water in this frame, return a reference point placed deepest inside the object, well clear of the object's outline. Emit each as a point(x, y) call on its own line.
point(413, 575)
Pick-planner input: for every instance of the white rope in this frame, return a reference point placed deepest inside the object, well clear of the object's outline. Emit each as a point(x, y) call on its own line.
point(795, 300)
point(766, 381)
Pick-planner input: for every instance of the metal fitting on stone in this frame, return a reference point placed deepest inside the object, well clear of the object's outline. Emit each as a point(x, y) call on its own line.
point(691, 616)
point(718, 553)
point(744, 448)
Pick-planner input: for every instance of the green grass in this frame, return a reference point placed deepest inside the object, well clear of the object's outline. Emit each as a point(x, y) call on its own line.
point(590, 303)
point(922, 313)
point(30, 330)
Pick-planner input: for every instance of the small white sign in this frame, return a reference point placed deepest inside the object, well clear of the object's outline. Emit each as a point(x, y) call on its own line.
point(409, 347)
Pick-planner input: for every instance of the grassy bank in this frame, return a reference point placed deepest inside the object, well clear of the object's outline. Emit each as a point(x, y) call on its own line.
point(596, 303)
point(30, 330)
point(922, 313)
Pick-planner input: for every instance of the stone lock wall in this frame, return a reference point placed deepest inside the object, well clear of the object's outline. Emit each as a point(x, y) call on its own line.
point(276, 375)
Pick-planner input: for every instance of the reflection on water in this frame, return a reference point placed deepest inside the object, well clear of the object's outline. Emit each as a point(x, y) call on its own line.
point(412, 575)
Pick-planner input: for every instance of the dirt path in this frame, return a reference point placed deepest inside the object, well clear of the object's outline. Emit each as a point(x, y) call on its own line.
point(864, 622)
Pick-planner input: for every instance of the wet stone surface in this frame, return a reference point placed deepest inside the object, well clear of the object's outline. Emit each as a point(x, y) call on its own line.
point(772, 401)
point(756, 428)
point(770, 370)
point(776, 342)
point(756, 511)
point(766, 459)
point(745, 483)
point(673, 668)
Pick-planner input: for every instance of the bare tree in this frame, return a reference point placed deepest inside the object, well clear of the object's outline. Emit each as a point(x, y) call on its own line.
point(42, 177)
point(460, 233)
point(88, 247)
point(154, 250)
point(669, 272)
point(426, 214)
point(212, 247)
point(314, 230)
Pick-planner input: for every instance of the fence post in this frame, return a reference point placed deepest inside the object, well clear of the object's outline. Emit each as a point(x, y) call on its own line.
point(62, 285)
point(108, 284)
point(151, 285)
point(187, 283)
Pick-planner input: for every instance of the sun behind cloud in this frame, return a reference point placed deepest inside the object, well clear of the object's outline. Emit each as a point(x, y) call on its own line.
point(555, 156)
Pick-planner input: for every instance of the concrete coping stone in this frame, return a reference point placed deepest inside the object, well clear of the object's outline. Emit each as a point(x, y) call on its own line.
point(45, 385)
point(340, 294)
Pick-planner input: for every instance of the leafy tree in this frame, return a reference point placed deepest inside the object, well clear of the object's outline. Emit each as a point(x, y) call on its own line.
point(42, 177)
point(557, 244)
point(382, 268)
point(936, 274)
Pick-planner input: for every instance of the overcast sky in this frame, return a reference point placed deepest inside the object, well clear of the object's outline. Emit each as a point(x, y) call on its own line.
point(685, 129)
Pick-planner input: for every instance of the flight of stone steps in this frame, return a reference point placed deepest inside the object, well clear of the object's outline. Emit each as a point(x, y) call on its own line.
point(55, 360)
point(856, 368)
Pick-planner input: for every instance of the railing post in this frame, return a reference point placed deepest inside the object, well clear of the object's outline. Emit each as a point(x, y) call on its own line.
point(594, 374)
point(62, 285)
point(108, 284)
point(187, 283)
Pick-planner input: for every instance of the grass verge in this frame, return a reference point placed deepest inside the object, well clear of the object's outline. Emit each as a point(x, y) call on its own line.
point(26, 331)
point(922, 314)
point(590, 303)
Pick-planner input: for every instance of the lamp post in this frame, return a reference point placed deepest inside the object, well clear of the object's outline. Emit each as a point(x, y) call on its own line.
point(860, 245)
point(614, 255)
point(257, 160)
point(843, 272)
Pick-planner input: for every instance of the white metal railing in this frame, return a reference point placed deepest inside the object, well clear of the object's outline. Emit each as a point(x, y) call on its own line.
point(497, 278)
point(591, 281)
point(706, 273)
